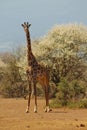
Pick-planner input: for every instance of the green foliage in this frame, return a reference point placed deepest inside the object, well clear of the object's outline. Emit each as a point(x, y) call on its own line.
point(63, 94)
point(69, 94)
point(78, 104)
point(78, 90)
point(55, 103)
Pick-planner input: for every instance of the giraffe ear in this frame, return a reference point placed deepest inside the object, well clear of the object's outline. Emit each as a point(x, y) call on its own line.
point(29, 25)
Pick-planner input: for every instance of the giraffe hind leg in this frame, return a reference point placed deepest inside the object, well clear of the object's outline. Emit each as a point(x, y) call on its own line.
point(47, 108)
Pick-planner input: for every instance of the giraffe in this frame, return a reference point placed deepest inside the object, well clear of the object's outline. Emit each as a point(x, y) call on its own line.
point(35, 73)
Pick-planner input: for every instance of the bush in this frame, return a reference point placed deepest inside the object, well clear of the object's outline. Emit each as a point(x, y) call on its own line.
point(78, 104)
point(55, 103)
point(69, 94)
point(11, 83)
point(63, 94)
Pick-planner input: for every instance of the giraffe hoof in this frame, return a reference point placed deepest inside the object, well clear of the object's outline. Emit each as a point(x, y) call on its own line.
point(47, 110)
point(35, 111)
point(27, 111)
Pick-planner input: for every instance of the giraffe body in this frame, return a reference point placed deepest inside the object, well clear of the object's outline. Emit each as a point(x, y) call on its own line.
point(35, 73)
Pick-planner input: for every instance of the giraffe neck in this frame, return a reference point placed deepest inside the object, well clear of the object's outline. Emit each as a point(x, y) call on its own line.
point(30, 57)
point(28, 47)
point(28, 42)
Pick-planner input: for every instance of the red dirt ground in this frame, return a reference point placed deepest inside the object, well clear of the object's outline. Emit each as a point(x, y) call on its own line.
point(13, 117)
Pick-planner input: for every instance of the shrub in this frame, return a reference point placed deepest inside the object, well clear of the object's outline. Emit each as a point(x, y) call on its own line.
point(78, 104)
point(11, 84)
point(69, 94)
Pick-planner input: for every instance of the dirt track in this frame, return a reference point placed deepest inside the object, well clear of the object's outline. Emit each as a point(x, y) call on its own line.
point(13, 117)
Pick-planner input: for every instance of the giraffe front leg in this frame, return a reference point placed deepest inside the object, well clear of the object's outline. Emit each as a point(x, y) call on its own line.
point(35, 94)
point(29, 98)
point(27, 109)
point(35, 109)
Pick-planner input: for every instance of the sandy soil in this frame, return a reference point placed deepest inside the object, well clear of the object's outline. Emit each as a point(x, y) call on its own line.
point(13, 117)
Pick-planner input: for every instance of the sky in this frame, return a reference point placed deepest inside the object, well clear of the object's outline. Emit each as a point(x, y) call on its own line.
point(42, 14)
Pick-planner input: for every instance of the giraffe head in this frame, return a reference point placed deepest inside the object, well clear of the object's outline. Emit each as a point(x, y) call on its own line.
point(26, 26)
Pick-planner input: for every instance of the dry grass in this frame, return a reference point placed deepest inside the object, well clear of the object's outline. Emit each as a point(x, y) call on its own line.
point(13, 117)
